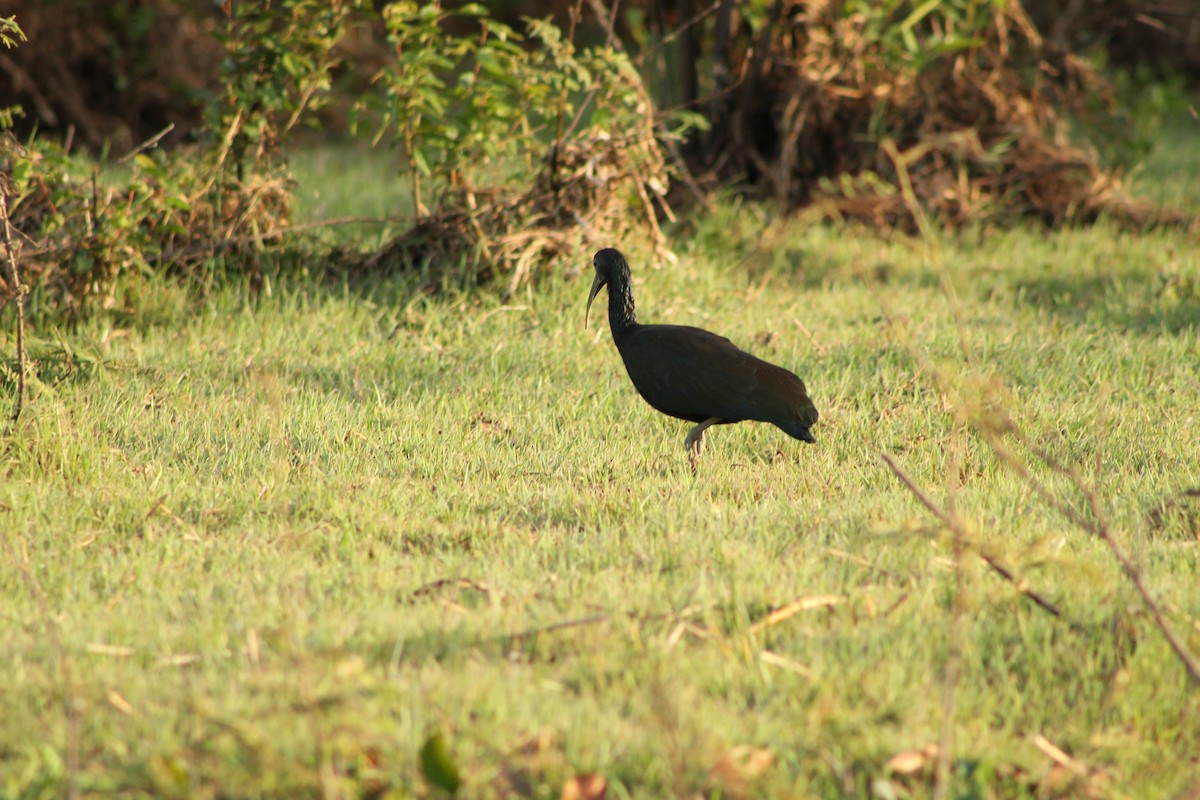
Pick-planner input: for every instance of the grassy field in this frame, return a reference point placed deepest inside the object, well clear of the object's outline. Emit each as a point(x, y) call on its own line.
point(281, 542)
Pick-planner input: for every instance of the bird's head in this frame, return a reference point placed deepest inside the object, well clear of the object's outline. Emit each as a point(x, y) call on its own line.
point(608, 263)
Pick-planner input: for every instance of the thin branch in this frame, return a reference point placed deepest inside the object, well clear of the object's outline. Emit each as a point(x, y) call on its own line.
point(146, 145)
point(576, 12)
point(640, 60)
point(1097, 525)
point(956, 526)
point(594, 619)
point(953, 667)
point(557, 626)
point(20, 296)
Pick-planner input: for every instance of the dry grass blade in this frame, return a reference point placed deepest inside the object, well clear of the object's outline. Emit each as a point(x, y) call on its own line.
point(776, 660)
point(447, 583)
point(793, 608)
point(1057, 755)
point(531, 633)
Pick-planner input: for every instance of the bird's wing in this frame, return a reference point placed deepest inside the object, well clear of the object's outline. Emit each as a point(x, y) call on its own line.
point(693, 374)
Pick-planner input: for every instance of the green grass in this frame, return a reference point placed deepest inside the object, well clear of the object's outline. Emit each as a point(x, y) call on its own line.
point(268, 543)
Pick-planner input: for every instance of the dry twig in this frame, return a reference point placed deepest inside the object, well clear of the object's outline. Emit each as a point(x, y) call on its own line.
point(19, 289)
point(958, 527)
point(1097, 525)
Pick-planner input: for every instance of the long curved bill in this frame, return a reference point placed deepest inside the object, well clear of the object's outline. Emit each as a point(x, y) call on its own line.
point(596, 284)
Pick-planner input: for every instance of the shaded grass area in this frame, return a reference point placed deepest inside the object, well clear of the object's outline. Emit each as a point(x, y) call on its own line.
point(1168, 175)
point(268, 543)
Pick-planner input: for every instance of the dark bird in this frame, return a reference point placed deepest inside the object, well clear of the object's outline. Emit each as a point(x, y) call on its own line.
point(691, 374)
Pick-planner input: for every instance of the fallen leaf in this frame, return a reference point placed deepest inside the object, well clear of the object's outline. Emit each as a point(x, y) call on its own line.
point(740, 766)
point(119, 703)
point(911, 761)
point(589, 786)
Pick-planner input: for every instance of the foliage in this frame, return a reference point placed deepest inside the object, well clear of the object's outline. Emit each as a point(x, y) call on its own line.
point(279, 55)
point(887, 111)
point(531, 146)
point(160, 211)
point(10, 35)
point(176, 209)
point(10, 32)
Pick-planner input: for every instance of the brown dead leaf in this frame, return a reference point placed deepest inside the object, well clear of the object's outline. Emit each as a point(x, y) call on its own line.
point(119, 703)
point(741, 766)
point(910, 762)
point(589, 786)
point(536, 744)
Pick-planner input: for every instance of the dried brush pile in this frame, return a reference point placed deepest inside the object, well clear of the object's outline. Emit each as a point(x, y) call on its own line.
point(884, 112)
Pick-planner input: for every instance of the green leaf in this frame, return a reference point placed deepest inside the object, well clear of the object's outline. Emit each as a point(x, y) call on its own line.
point(420, 163)
point(437, 766)
point(918, 14)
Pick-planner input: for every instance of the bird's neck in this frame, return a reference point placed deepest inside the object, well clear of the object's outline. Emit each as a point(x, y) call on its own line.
point(620, 307)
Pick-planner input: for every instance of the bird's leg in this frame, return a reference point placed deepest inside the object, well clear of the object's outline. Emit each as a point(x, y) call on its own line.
point(695, 440)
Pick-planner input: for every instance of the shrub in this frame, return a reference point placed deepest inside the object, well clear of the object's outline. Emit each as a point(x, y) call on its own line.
point(882, 110)
point(525, 148)
point(174, 209)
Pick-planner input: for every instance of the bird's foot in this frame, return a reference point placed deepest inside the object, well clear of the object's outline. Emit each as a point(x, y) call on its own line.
point(695, 441)
point(694, 444)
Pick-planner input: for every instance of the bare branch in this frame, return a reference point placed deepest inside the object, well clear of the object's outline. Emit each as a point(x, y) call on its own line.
point(10, 249)
point(958, 528)
point(1097, 525)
